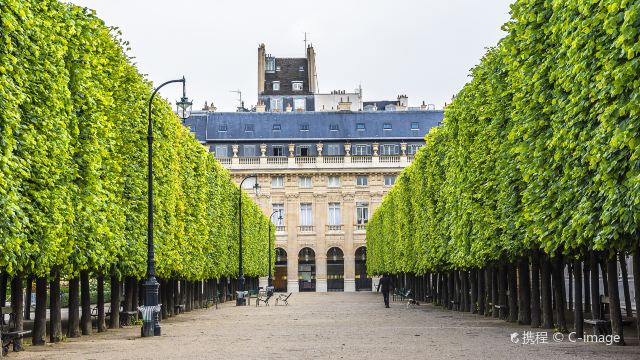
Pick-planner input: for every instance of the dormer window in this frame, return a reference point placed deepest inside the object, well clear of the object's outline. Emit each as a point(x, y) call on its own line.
point(386, 126)
point(277, 127)
point(277, 68)
point(248, 127)
point(276, 86)
point(304, 127)
point(296, 85)
point(360, 126)
point(270, 65)
point(301, 69)
point(333, 127)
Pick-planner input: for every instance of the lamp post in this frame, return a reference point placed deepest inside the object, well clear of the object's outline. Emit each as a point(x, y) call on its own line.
point(270, 281)
point(150, 286)
point(256, 187)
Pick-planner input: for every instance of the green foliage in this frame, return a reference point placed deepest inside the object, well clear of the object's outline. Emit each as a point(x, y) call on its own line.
point(539, 150)
point(73, 161)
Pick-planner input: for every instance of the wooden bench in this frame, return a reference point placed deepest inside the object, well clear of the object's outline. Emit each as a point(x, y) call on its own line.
point(252, 294)
point(603, 325)
point(8, 334)
point(264, 297)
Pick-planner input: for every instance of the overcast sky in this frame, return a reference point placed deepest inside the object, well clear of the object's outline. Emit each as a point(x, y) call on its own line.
point(421, 48)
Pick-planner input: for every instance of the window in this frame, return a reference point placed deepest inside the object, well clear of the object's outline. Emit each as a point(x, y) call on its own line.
point(277, 182)
point(301, 68)
point(277, 68)
point(360, 126)
point(333, 149)
point(278, 150)
point(362, 180)
point(389, 149)
point(413, 148)
point(415, 126)
point(362, 213)
point(306, 217)
point(333, 127)
point(369, 108)
point(389, 180)
point(386, 126)
point(303, 150)
point(278, 218)
point(334, 181)
point(299, 104)
point(390, 108)
point(249, 150)
point(304, 127)
point(276, 104)
point(296, 85)
point(360, 150)
point(276, 86)
point(222, 127)
point(222, 151)
point(334, 214)
point(248, 127)
point(305, 181)
point(277, 127)
point(270, 65)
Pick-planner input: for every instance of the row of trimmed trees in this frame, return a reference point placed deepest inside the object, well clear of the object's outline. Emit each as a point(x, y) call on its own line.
point(73, 176)
point(535, 168)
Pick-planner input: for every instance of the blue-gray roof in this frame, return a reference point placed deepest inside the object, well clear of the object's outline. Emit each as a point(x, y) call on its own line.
point(207, 125)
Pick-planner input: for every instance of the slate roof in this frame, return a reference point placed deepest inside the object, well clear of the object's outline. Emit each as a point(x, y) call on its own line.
point(206, 125)
point(380, 104)
point(289, 71)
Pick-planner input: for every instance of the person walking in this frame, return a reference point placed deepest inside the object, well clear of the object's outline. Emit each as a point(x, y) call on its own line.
point(385, 284)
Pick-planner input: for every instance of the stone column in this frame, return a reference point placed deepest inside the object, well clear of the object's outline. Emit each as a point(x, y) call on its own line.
point(320, 220)
point(292, 211)
point(348, 207)
point(347, 153)
point(292, 154)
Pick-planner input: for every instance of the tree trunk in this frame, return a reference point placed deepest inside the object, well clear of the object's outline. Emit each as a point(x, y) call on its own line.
point(102, 324)
point(171, 296)
point(55, 311)
point(488, 291)
point(578, 316)
point(27, 298)
point(636, 284)
point(512, 284)
point(475, 284)
point(502, 291)
point(451, 289)
point(85, 299)
point(464, 288)
point(603, 268)
point(40, 322)
point(114, 317)
point(3, 289)
point(536, 319)
point(17, 299)
point(547, 311)
point(524, 292)
point(73, 327)
point(615, 312)
point(570, 287)
point(625, 284)
point(595, 288)
point(586, 276)
point(495, 296)
point(129, 289)
point(558, 290)
point(445, 289)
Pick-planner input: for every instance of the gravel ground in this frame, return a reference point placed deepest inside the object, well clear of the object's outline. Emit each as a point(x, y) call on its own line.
point(325, 326)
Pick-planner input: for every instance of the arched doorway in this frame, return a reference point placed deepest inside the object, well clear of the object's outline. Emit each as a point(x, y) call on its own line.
point(363, 282)
point(280, 271)
point(335, 269)
point(307, 269)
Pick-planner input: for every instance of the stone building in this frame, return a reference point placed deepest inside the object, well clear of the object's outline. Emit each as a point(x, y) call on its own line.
point(326, 171)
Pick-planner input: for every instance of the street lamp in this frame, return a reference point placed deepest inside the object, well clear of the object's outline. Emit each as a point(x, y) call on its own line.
point(256, 188)
point(279, 211)
point(150, 286)
point(183, 107)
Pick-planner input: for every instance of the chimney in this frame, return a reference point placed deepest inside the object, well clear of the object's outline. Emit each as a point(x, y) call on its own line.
point(423, 106)
point(261, 68)
point(344, 105)
point(311, 68)
point(261, 107)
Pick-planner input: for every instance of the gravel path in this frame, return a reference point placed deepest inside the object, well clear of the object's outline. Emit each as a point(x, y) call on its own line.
point(325, 326)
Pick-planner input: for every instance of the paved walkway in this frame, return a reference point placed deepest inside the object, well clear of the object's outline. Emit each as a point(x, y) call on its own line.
point(325, 326)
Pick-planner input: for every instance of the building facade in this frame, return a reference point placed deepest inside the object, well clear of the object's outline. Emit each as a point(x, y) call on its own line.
point(326, 172)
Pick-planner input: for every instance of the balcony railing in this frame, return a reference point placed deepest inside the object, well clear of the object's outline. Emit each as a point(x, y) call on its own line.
point(305, 228)
point(249, 160)
point(334, 227)
point(410, 158)
point(224, 160)
point(305, 160)
point(361, 159)
point(280, 160)
point(390, 159)
point(360, 227)
point(281, 228)
point(333, 160)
